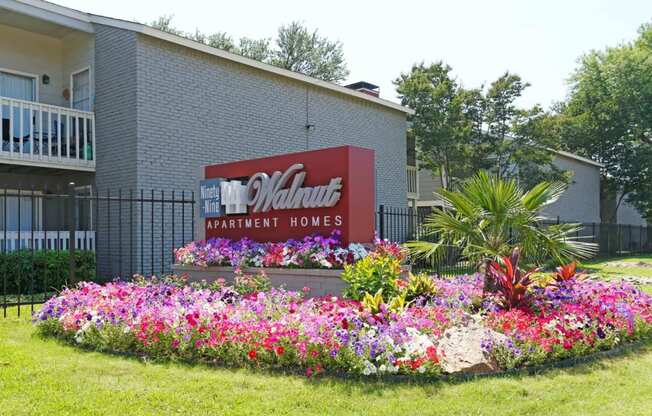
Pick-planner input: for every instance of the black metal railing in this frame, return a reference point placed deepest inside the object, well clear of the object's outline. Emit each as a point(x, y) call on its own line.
point(406, 224)
point(50, 239)
point(53, 239)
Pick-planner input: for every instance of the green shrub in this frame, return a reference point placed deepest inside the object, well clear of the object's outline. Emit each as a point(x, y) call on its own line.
point(370, 275)
point(246, 284)
point(41, 271)
point(420, 285)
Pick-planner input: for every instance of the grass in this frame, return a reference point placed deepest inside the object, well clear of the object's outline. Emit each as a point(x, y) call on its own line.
point(617, 267)
point(45, 377)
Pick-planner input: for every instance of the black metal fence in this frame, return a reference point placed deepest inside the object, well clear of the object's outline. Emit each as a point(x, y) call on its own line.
point(405, 224)
point(50, 239)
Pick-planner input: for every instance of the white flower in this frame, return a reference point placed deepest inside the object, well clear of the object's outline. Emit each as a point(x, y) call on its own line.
point(418, 343)
point(325, 263)
point(358, 250)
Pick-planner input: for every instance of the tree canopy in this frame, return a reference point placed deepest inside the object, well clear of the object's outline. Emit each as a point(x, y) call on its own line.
point(295, 48)
point(608, 118)
point(460, 130)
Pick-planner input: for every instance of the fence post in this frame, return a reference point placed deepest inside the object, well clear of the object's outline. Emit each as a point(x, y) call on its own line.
point(72, 225)
point(381, 221)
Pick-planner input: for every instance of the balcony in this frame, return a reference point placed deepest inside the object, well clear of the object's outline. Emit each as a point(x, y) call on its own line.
point(412, 182)
point(35, 134)
point(46, 240)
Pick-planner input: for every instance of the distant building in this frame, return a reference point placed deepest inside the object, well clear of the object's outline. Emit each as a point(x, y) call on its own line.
point(580, 203)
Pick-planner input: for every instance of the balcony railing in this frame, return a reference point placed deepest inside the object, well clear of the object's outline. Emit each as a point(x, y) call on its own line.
point(412, 181)
point(45, 240)
point(46, 135)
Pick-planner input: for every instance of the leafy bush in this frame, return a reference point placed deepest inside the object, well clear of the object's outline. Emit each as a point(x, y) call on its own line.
point(566, 273)
point(246, 284)
point(420, 286)
point(377, 305)
point(487, 216)
point(43, 271)
point(511, 282)
point(370, 275)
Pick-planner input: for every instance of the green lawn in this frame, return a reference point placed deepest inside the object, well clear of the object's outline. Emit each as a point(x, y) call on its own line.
point(44, 377)
point(637, 267)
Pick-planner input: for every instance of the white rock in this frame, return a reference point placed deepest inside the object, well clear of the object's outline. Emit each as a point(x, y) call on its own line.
point(460, 349)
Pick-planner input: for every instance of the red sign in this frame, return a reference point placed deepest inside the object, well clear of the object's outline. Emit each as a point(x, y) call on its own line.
point(293, 195)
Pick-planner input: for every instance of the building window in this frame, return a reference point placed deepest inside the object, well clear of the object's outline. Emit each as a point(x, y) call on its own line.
point(81, 90)
point(20, 210)
point(19, 87)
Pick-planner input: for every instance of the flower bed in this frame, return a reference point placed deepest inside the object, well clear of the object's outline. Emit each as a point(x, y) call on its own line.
point(281, 329)
point(316, 252)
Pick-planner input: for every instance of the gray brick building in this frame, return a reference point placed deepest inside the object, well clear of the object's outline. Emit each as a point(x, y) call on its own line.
point(117, 105)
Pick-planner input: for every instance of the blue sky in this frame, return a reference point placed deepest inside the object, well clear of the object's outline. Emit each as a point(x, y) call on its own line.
point(539, 40)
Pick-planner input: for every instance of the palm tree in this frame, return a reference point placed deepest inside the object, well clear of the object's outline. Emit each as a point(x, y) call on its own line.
point(489, 216)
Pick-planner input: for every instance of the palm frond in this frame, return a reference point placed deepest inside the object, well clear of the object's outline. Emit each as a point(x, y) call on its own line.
point(542, 194)
point(488, 216)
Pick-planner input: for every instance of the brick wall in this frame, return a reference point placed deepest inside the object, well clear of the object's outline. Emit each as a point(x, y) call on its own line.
point(195, 109)
point(163, 111)
point(116, 144)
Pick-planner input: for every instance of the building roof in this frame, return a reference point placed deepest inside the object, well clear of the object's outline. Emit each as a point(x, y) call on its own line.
point(578, 158)
point(84, 21)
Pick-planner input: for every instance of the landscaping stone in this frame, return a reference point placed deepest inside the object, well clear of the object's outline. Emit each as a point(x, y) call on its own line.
point(460, 349)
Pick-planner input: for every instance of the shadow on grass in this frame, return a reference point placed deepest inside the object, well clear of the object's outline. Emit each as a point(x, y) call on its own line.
point(379, 385)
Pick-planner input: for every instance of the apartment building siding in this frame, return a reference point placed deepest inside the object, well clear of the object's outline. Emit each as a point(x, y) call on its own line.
point(164, 110)
point(581, 201)
point(195, 109)
point(116, 79)
point(116, 148)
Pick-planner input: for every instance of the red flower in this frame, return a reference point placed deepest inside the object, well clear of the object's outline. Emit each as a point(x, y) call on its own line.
point(345, 324)
point(280, 350)
point(567, 345)
point(252, 354)
point(192, 319)
point(431, 352)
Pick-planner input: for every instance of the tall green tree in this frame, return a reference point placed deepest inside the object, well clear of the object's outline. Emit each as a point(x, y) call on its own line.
point(301, 50)
point(446, 116)
point(164, 23)
point(296, 48)
point(258, 49)
point(460, 131)
point(608, 118)
point(517, 138)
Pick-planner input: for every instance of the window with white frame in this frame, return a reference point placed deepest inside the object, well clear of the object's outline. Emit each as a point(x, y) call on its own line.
point(81, 90)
